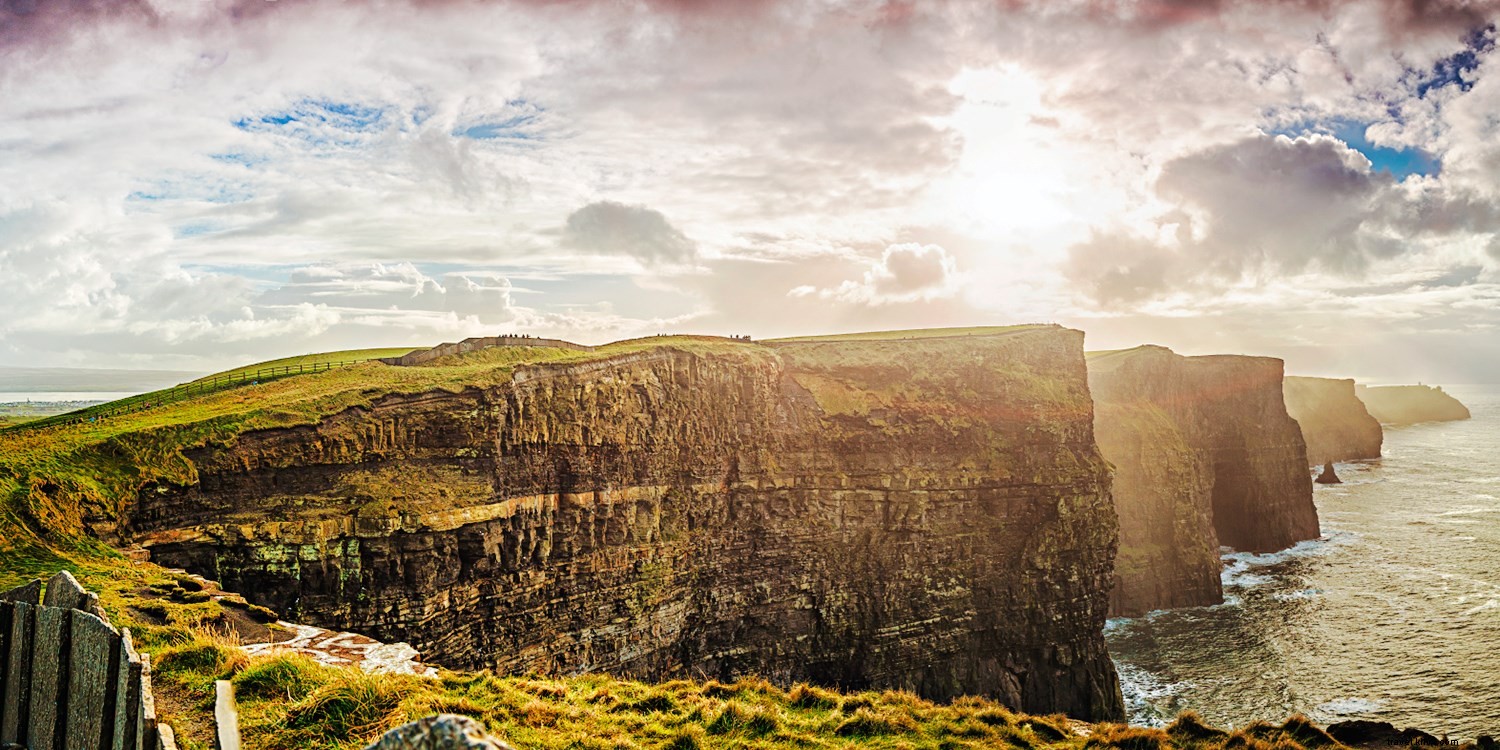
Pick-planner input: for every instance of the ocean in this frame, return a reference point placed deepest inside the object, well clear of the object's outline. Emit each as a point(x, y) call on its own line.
point(21, 397)
point(1393, 615)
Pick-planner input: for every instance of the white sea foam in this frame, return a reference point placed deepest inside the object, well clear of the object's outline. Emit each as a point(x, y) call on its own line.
point(1491, 604)
point(1150, 699)
point(1340, 707)
point(1287, 596)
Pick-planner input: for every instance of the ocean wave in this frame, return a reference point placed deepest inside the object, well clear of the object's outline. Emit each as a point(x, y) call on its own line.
point(1491, 604)
point(1286, 596)
point(1241, 568)
point(1468, 510)
point(1341, 707)
point(1150, 699)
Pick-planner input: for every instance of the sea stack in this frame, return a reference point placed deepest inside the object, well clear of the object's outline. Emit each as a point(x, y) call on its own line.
point(1329, 476)
point(1204, 454)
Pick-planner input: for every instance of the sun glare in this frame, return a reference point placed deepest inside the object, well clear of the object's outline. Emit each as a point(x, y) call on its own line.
point(1011, 176)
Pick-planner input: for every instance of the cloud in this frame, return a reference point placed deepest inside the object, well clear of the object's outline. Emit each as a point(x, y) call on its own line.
point(634, 231)
point(177, 175)
point(907, 272)
point(1269, 206)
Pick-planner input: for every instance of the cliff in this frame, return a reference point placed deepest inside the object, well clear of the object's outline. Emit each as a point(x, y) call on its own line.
point(1204, 455)
point(927, 513)
point(1335, 423)
point(1409, 404)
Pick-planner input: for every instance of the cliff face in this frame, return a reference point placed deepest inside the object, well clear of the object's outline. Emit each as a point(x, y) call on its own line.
point(1205, 455)
point(1409, 404)
point(1335, 423)
point(922, 514)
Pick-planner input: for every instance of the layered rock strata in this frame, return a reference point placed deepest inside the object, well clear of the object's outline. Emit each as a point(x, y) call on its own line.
point(1335, 423)
point(1204, 455)
point(1410, 404)
point(927, 514)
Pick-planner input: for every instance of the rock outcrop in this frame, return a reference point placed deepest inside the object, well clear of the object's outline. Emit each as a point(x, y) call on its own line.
point(1410, 404)
point(1335, 423)
point(440, 732)
point(1328, 475)
point(1204, 455)
point(929, 514)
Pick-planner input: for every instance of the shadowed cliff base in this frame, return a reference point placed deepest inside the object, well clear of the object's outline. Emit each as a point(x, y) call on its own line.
point(924, 512)
point(1410, 404)
point(1204, 455)
point(1336, 424)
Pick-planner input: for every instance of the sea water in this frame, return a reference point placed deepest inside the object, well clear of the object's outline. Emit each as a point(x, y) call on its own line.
point(21, 397)
point(1393, 615)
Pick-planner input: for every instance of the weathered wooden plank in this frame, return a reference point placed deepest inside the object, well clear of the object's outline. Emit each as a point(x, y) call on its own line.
point(226, 717)
point(125, 658)
point(18, 664)
point(64, 592)
point(49, 685)
point(30, 593)
point(92, 659)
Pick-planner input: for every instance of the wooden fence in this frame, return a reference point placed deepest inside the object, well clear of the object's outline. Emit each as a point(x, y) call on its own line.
point(180, 392)
point(68, 679)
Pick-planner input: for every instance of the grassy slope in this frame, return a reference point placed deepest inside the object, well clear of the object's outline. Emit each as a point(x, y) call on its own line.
point(47, 477)
point(316, 359)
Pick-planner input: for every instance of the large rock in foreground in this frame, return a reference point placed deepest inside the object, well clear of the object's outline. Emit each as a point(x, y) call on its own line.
point(1204, 455)
point(1335, 423)
point(929, 514)
point(1409, 404)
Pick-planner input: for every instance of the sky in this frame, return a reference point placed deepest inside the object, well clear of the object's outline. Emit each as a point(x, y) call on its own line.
point(195, 184)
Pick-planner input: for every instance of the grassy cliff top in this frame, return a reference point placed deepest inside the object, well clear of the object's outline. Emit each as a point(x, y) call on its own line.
point(913, 333)
point(346, 355)
point(1107, 359)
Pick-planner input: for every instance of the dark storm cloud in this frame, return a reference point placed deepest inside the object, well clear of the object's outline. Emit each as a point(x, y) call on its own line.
point(635, 231)
point(1400, 16)
point(1271, 206)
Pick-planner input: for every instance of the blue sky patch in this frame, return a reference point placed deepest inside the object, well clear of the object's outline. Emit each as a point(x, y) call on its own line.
point(321, 122)
point(521, 120)
point(1398, 162)
point(1454, 70)
point(194, 229)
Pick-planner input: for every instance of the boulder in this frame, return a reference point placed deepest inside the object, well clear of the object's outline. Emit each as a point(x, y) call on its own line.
point(1361, 733)
point(440, 732)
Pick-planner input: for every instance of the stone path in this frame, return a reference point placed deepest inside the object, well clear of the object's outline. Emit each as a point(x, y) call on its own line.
point(345, 649)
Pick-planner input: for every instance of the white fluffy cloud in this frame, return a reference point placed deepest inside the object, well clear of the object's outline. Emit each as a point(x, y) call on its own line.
point(220, 180)
point(906, 272)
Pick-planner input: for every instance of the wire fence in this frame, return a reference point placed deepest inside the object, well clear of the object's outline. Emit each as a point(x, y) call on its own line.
point(181, 392)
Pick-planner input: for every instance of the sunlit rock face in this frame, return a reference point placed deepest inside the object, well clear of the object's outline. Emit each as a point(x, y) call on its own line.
point(1204, 455)
point(928, 514)
point(1409, 404)
point(1335, 423)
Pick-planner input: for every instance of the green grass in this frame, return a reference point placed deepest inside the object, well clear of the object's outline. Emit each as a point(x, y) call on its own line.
point(316, 359)
point(913, 333)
